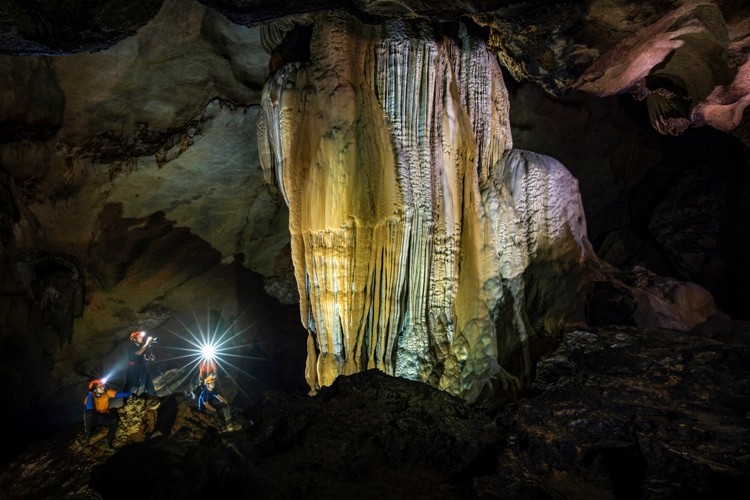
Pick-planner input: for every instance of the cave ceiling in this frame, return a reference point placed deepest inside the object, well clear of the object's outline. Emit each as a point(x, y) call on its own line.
point(136, 188)
point(689, 59)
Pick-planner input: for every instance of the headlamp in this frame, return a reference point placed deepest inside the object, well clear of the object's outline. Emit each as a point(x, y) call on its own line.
point(208, 352)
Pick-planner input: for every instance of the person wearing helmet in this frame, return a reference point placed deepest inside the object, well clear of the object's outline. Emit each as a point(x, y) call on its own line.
point(213, 403)
point(205, 367)
point(97, 413)
point(137, 378)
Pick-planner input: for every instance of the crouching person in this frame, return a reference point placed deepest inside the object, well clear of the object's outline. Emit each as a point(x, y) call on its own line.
point(213, 403)
point(97, 412)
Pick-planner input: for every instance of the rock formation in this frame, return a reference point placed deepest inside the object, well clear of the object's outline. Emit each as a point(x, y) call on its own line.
point(421, 240)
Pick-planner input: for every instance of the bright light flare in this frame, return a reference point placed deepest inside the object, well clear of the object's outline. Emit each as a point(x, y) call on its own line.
point(208, 352)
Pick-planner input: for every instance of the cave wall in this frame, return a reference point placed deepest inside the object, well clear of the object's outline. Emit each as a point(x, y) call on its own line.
point(675, 205)
point(131, 191)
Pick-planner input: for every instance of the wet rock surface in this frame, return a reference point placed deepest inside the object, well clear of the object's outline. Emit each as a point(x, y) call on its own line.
point(625, 413)
point(615, 413)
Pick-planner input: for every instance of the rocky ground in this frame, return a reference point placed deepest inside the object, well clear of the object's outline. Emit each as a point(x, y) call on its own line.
point(615, 413)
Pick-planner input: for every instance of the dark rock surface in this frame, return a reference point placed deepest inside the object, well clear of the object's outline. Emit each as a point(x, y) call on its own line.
point(616, 413)
point(677, 206)
point(53, 28)
point(637, 414)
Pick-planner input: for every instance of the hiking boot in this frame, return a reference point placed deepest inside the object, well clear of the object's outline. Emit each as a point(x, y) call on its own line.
point(105, 445)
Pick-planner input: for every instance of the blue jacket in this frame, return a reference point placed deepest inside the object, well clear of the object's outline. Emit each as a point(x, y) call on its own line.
point(207, 396)
point(101, 404)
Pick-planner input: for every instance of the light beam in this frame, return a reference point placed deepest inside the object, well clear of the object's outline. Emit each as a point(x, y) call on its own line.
point(209, 349)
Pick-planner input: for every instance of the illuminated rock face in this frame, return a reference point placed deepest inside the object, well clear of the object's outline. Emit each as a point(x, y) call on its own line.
point(412, 221)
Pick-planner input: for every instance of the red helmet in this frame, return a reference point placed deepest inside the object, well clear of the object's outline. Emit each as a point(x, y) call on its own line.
point(96, 383)
point(205, 368)
point(136, 334)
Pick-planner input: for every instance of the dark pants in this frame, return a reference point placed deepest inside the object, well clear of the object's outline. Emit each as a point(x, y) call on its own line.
point(136, 377)
point(222, 416)
point(92, 420)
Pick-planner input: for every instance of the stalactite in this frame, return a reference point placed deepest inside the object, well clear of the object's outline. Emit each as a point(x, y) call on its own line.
point(411, 226)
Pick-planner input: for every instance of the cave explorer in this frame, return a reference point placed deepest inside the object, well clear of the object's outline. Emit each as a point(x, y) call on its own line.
point(205, 367)
point(213, 403)
point(97, 413)
point(137, 378)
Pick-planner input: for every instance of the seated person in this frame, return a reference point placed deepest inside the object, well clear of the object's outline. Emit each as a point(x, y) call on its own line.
point(213, 403)
point(97, 412)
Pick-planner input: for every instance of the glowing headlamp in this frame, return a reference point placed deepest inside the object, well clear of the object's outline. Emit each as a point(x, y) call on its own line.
point(208, 352)
point(209, 349)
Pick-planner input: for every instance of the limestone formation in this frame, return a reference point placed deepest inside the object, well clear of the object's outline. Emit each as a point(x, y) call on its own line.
point(421, 241)
point(412, 222)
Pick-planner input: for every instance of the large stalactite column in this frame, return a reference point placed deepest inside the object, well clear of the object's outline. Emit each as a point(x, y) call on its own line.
point(379, 145)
